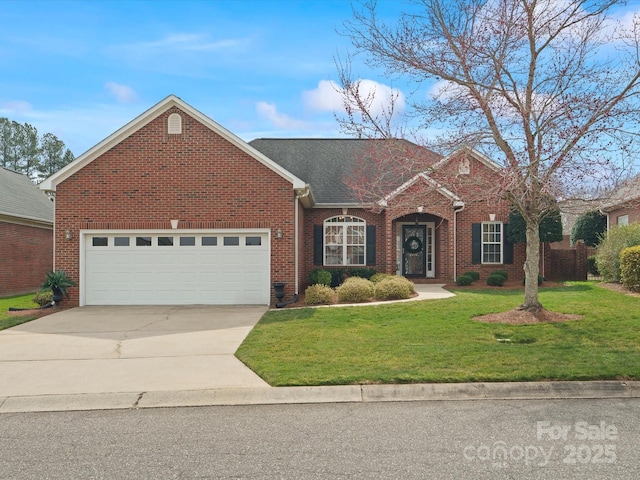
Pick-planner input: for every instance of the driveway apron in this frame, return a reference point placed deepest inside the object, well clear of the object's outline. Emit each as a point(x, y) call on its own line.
point(128, 349)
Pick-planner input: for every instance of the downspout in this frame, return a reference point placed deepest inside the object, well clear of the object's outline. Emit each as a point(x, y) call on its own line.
point(458, 206)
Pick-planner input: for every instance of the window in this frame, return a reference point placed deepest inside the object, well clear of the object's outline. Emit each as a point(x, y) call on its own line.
point(491, 243)
point(121, 241)
point(165, 241)
point(231, 241)
point(344, 241)
point(209, 241)
point(253, 241)
point(623, 220)
point(100, 241)
point(143, 241)
point(187, 241)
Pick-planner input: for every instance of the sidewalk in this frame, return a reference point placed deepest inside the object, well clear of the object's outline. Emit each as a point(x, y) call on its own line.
point(326, 394)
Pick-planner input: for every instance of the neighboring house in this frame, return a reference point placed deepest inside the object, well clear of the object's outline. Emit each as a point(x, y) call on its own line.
point(623, 207)
point(26, 234)
point(174, 209)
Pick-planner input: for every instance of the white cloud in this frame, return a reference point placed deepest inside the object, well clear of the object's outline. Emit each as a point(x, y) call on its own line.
point(15, 107)
point(326, 98)
point(122, 93)
point(280, 120)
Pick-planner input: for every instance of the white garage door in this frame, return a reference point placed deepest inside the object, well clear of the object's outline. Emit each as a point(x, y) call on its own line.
point(176, 268)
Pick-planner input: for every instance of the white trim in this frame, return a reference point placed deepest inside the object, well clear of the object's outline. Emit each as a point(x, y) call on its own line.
point(399, 268)
point(142, 120)
point(483, 243)
point(475, 154)
point(412, 181)
point(26, 222)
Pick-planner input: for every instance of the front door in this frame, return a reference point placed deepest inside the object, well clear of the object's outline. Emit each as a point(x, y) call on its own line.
point(417, 251)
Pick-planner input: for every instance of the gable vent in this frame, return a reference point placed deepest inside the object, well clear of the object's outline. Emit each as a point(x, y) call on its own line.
point(174, 123)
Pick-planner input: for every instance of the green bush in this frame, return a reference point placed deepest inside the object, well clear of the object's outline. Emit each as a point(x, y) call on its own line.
point(592, 267)
point(617, 239)
point(320, 276)
point(464, 280)
point(590, 227)
point(355, 289)
point(502, 273)
point(474, 275)
point(630, 268)
point(392, 288)
point(410, 284)
point(495, 280)
point(319, 294)
point(43, 298)
point(338, 275)
point(378, 277)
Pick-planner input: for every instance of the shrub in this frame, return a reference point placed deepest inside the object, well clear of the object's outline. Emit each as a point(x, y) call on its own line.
point(463, 280)
point(617, 239)
point(410, 284)
point(495, 280)
point(474, 275)
point(319, 294)
point(392, 288)
point(590, 227)
point(630, 268)
point(43, 298)
point(354, 290)
point(502, 273)
point(320, 276)
point(378, 277)
point(592, 267)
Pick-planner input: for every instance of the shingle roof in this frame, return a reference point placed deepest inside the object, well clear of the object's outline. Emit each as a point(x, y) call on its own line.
point(324, 163)
point(22, 199)
point(626, 194)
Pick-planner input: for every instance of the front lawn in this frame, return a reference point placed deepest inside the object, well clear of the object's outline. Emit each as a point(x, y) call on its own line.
point(437, 341)
point(19, 301)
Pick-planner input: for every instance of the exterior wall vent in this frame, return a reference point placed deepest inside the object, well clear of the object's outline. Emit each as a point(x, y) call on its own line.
point(174, 123)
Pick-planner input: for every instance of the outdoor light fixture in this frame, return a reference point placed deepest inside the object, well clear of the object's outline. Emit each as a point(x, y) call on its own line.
point(67, 234)
point(279, 233)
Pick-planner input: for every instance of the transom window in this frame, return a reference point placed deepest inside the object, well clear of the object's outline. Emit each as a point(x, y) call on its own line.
point(492, 242)
point(344, 240)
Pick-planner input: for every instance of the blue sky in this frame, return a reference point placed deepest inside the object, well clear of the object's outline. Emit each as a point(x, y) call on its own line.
point(260, 68)
point(82, 69)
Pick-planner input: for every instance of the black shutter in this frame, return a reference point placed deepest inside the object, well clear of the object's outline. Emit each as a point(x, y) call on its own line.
point(317, 244)
point(476, 243)
point(371, 245)
point(507, 247)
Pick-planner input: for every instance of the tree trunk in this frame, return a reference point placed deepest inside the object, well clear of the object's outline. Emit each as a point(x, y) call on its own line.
point(532, 267)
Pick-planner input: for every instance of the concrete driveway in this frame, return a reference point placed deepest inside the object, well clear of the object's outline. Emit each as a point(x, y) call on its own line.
point(128, 349)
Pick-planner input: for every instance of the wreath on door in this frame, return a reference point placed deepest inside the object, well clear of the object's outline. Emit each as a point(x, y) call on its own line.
point(413, 244)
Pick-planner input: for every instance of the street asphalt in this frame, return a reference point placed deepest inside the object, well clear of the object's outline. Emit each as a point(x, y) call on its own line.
point(94, 358)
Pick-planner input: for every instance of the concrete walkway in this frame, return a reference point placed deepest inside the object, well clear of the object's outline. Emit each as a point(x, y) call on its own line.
point(94, 358)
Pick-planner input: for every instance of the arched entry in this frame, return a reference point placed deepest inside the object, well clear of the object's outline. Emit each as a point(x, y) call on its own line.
point(416, 242)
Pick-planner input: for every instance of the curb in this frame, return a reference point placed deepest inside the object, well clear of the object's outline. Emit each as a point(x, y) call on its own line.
point(323, 394)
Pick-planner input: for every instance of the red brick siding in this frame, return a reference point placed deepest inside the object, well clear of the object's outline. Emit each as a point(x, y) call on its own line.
point(197, 177)
point(26, 255)
point(633, 212)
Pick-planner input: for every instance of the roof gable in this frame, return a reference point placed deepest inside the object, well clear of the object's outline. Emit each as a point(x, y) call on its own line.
point(146, 117)
point(21, 199)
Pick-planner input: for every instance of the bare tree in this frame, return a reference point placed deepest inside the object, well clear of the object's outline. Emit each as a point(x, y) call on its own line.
point(549, 88)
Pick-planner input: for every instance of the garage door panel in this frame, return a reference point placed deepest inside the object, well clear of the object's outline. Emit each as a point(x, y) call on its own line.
point(178, 274)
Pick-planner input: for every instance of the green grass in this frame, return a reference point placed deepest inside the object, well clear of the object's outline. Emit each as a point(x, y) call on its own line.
point(437, 341)
point(19, 301)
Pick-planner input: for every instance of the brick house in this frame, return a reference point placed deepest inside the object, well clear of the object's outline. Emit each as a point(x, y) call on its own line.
point(26, 234)
point(174, 209)
point(623, 207)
